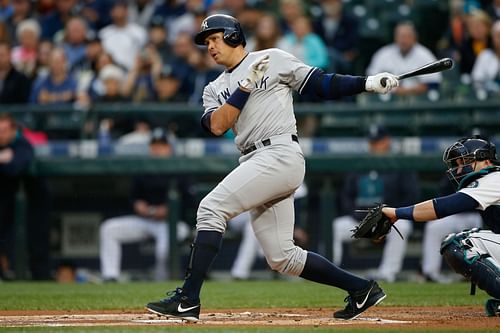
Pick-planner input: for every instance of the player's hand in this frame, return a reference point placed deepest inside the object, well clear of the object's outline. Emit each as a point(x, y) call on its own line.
point(390, 213)
point(256, 71)
point(374, 82)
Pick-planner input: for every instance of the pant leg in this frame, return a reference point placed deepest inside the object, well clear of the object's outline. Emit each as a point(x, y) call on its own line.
point(247, 251)
point(113, 233)
point(394, 251)
point(273, 225)
point(342, 227)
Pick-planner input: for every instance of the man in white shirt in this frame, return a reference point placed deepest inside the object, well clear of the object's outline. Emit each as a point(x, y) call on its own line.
point(402, 56)
point(123, 40)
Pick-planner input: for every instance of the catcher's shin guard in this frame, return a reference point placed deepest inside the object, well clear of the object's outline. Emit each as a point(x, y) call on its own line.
point(480, 269)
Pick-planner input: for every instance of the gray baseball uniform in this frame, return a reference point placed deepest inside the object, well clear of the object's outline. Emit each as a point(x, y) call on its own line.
point(266, 178)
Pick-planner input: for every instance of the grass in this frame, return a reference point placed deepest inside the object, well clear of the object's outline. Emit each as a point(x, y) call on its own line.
point(218, 295)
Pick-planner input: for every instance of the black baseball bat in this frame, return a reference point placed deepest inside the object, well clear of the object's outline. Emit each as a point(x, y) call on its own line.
point(433, 67)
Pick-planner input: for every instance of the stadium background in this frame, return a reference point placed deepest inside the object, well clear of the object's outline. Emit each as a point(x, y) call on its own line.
point(89, 177)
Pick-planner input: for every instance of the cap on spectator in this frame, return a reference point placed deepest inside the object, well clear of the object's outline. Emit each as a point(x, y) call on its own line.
point(168, 71)
point(158, 135)
point(157, 21)
point(377, 132)
point(111, 72)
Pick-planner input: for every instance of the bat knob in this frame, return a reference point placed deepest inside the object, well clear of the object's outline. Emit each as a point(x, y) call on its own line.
point(383, 82)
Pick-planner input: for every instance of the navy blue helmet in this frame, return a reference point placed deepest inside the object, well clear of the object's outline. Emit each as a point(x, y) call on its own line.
point(233, 34)
point(461, 156)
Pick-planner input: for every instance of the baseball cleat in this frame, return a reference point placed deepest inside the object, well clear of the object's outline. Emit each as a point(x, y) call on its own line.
point(492, 307)
point(177, 305)
point(359, 301)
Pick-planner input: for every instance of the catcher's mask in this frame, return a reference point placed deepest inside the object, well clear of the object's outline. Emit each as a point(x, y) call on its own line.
point(233, 33)
point(460, 157)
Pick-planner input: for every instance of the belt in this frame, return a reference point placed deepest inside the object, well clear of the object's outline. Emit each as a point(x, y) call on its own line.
point(266, 142)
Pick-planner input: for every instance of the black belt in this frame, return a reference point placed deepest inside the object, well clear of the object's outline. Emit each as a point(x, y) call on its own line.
point(265, 142)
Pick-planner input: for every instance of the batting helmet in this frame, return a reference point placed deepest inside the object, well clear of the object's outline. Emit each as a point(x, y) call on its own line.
point(233, 34)
point(468, 151)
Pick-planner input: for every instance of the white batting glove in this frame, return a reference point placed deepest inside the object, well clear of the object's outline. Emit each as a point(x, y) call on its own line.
point(256, 71)
point(374, 82)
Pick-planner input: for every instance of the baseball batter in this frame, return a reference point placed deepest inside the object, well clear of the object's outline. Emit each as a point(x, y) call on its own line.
point(474, 167)
point(253, 96)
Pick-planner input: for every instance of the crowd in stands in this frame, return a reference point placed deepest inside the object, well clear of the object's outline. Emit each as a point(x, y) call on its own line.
point(85, 52)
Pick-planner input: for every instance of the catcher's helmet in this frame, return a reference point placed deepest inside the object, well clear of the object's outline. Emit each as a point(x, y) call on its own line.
point(460, 156)
point(233, 34)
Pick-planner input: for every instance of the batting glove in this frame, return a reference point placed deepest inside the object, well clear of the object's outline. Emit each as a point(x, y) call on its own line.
point(381, 83)
point(256, 71)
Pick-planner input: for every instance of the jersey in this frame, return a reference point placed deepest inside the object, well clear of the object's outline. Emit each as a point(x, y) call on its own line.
point(269, 109)
point(486, 191)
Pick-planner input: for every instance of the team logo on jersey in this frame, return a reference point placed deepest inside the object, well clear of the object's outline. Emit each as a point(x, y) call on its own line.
point(474, 184)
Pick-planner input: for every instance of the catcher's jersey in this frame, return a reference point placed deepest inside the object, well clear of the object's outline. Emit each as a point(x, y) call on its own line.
point(486, 191)
point(269, 109)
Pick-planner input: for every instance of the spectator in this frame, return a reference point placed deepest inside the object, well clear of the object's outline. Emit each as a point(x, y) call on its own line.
point(303, 43)
point(123, 39)
point(45, 48)
point(140, 82)
point(59, 87)
point(188, 21)
point(404, 54)
point(112, 78)
point(339, 31)
point(24, 56)
point(493, 9)
point(15, 87)
point(90, 82)
point(167, 86)
point(477, 39)
point(486, 70)
point(267, 34)
point(435, 232)
point(148, 220)
point(139, 136)
point(141, 12)
point(6, 10)
point(205, 71)
point(22, 10)
point(16, 153)
point(56, 20)
point(362, 190)
point(97, 13)
point(75, 40)
point(290, 11)
point(158, 38)
point(183, 49)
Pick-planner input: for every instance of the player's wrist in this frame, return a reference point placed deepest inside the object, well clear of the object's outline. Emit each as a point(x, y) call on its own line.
point(405, 213)
point(238, 98)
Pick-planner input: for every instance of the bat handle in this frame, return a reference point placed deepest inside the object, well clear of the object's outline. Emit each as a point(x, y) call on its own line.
point(383, 82)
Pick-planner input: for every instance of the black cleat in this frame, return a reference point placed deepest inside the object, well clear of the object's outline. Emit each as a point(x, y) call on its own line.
point(177, 305)
point(359, 301)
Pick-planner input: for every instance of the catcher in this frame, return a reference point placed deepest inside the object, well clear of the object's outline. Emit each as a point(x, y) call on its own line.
point(473, 165)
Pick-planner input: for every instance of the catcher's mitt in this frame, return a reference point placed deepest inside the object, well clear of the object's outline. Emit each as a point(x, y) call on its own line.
point(375, 225)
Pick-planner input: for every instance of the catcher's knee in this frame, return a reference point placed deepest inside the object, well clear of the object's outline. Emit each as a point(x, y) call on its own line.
point(291, 262)
point(480, 269)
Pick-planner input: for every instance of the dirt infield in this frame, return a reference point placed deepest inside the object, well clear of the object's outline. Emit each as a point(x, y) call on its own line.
point(463, 318)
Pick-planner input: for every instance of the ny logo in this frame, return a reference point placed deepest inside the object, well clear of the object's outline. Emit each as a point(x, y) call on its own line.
point(204, 25)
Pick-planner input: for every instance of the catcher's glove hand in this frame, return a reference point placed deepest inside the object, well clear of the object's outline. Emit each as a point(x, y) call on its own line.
point(375, 225)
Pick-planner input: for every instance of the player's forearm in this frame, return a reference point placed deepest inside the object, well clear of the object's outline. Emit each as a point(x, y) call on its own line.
point(223, 119)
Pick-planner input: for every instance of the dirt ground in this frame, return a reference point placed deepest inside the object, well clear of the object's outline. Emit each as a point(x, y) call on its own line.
point(463, 318)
